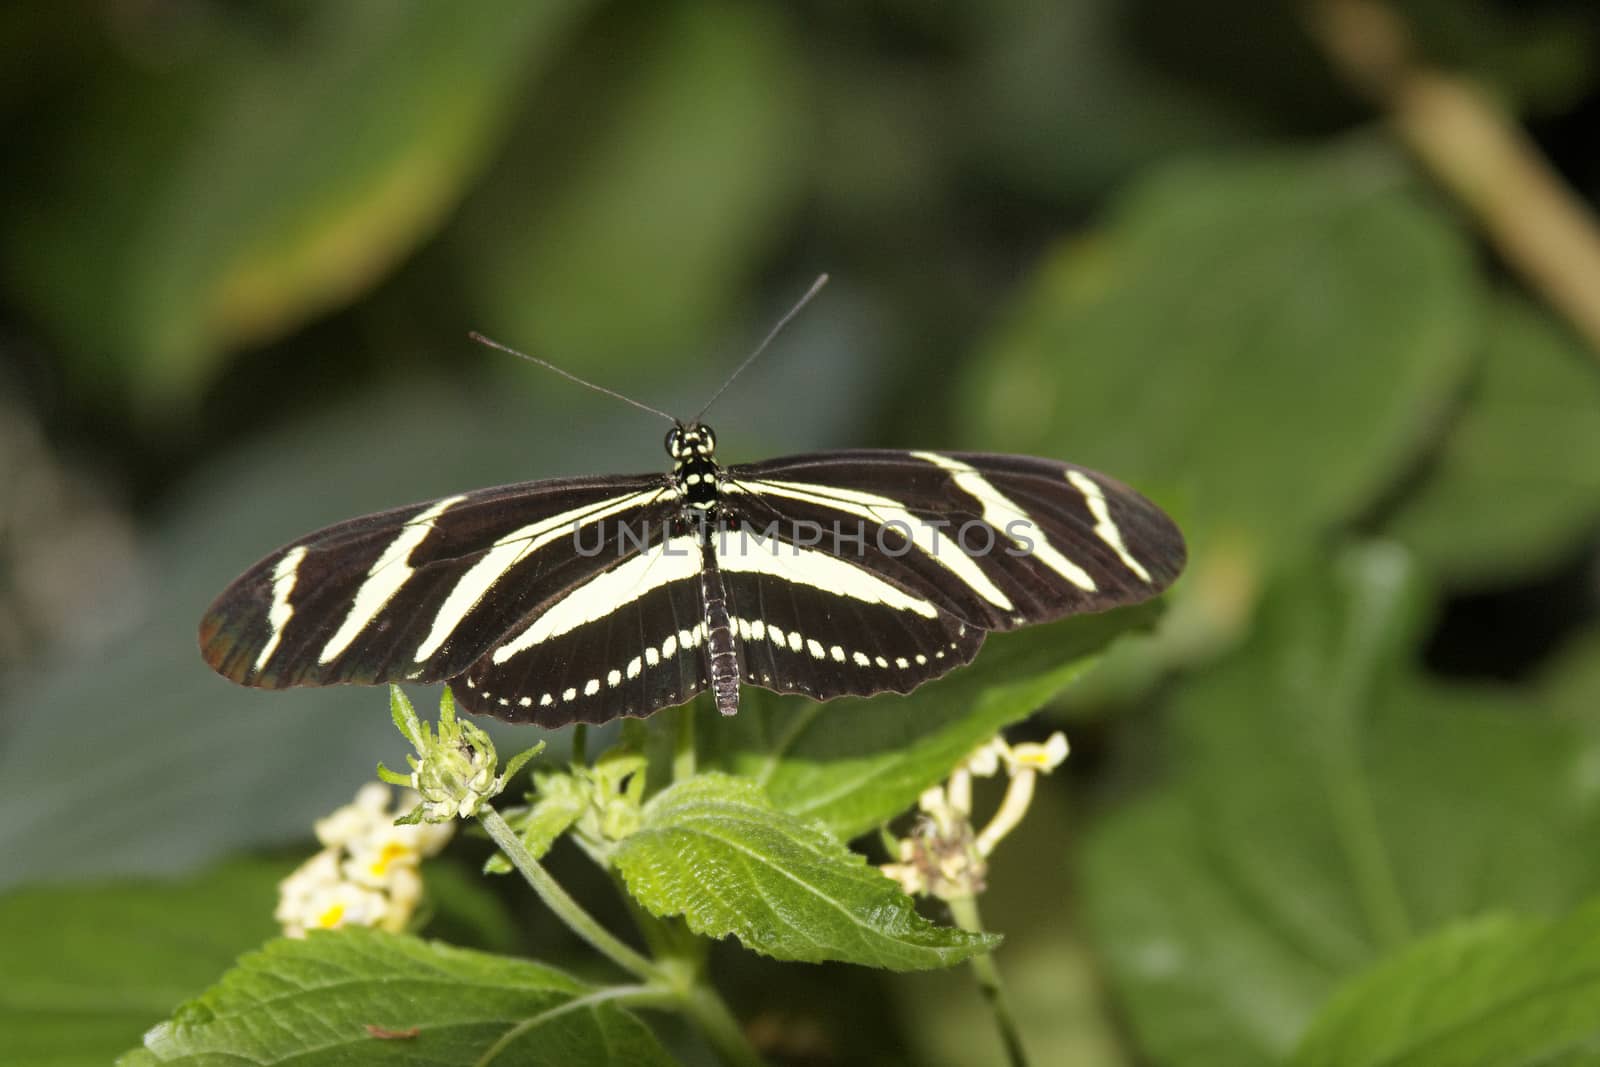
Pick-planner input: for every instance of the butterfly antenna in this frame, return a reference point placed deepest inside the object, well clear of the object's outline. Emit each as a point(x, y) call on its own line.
point(822, 279)
point(482, 340)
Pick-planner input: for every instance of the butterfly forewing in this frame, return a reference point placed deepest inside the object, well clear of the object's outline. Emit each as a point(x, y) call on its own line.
point(419, 593)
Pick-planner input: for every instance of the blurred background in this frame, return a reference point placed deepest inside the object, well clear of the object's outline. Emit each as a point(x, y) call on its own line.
point(1321, 278)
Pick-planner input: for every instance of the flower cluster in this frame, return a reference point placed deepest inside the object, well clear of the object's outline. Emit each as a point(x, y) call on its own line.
point(454, 769)
point(366, 873)
point(944, 856)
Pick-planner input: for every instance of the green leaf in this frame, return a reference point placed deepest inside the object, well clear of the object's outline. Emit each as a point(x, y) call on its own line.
point(88, 969)
point(1062, 102)
point(1261, 343)
point(714, 850)
point(1516, 488)
point(268, 178)
point(604, 238)
point(1500, 989)
point(1570, 681)
point(1201, 980)
point(1330, 805)
point(319, 999)
point(855, 763)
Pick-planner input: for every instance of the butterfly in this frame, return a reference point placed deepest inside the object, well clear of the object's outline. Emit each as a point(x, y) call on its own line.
point(587, 599)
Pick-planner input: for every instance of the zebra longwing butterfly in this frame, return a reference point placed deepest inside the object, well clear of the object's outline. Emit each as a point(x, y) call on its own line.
point(586, 599)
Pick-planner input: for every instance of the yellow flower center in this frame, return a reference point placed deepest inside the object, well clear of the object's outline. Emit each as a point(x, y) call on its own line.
point(387, 855)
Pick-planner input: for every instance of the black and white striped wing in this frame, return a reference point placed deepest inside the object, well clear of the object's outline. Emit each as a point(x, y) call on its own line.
point(939, 547)
point(828, 624)
point(627, 640)
point(422, 593)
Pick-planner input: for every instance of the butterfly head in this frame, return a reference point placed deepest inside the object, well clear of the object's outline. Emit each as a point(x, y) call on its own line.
point(695, 440)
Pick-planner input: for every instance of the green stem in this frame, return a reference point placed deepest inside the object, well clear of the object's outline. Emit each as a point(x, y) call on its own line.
point(566, 909)
point(636, 996)
point(580, 743)
point(665, 986)
point(965, 912)
point(702, 1004)
point(1373, 606)
point(673, 946)
point(683, 760)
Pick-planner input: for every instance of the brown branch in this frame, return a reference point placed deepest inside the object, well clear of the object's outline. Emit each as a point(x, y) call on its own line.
point(1473, 148)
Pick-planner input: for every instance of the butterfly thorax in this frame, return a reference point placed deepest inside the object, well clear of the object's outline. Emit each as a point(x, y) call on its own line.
point(694, 470)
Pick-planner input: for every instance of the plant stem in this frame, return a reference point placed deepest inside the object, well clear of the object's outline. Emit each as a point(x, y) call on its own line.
point(566, 909)
point(702, 1004)
point(639, 996)
point(670, 942)
point(965, 912)
point(665, 985)
point(580, 743)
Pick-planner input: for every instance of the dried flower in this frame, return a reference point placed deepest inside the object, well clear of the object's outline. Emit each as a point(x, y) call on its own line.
point(944, 856)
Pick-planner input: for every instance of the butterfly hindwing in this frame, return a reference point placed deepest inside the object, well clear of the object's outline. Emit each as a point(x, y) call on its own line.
point(800, 631)
point(625, 641)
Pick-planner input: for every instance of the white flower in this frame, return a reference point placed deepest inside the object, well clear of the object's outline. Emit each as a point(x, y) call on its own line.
point(385, 848)
point(1046, 757)
point(368, 873)
point(344, 904)
point(297, 892)
point(985, 762)
point(356, 820)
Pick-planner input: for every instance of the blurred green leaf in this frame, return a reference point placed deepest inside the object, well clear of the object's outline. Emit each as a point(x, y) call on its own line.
point(89, 969)
point(1499, 990)
point(316, 1000)
point(1329, 806)
point(855, 763)
point(267, 179)
point(1570, 683)
point(646, 190)
point(1517, 485)
point(1264, 343)
point(714, 850)
point(1060, 102)
point(462, 907)
point(1539, 56)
